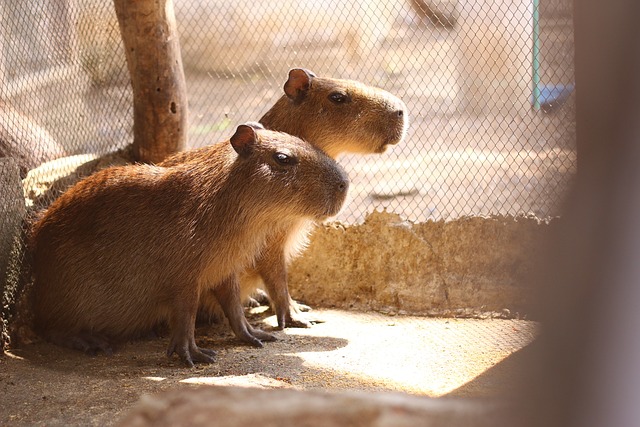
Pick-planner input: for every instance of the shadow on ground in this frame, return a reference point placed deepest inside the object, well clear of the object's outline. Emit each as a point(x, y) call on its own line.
point(41, 384)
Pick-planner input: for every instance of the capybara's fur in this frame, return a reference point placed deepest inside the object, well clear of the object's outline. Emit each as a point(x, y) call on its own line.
point(132, 246)
point(335, 116)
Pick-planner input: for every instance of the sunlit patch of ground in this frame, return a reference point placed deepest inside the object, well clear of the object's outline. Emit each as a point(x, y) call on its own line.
point(43, 383)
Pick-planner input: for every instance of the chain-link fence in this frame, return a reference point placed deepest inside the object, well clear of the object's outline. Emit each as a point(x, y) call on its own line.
point(478, 76)
point(488, 85)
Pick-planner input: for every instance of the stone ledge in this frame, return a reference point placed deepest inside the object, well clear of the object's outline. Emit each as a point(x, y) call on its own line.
point(468, 267)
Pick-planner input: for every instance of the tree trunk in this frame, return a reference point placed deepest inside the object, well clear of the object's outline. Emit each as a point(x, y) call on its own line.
point(150, 37)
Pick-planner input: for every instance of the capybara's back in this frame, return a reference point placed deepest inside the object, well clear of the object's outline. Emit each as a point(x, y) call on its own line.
point(99, 248)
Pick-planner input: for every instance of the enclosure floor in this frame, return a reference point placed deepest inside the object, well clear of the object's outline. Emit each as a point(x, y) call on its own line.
point(44, 384)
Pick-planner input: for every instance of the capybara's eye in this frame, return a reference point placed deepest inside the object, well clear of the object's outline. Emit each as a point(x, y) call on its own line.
point(284, 159)
point(338, 97)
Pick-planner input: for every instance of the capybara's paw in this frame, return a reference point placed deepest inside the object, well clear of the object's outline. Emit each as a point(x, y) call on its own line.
point(300, 320)
point(251, 303)
point(302, 307)
point(296, 321)
point(262, 335)
point(258, 299)
point(251, 340)
point(295, 318)
point(87, 343)
point(203, 355)
point(189, 354)
point(261, 297)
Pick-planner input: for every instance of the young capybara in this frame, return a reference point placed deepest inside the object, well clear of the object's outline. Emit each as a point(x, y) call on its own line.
point(336, 116)
point(132, 246)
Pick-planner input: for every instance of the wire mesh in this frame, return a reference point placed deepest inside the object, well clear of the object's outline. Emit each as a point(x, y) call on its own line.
point(479, 78)
point(488, 85)
point(492, 128)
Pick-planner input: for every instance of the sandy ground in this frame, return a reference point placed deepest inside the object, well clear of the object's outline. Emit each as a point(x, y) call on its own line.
point(42, 384)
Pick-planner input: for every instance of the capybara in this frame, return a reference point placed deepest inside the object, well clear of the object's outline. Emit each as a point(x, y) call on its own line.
point(336, 116)
point(132, 246)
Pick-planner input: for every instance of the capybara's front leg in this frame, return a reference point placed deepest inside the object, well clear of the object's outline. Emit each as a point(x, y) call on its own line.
point(295, 316)
point(228, 295)
point(182, 323)
point(272, 267)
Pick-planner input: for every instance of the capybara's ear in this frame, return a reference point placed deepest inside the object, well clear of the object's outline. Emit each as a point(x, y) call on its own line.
point(298, 83)
point(243, 140)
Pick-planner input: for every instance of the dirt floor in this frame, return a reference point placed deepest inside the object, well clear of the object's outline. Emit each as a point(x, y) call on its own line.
point(42, 384)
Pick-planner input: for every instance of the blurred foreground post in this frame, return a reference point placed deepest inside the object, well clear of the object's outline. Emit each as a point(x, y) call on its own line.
point(588, 373)
point(148, 29)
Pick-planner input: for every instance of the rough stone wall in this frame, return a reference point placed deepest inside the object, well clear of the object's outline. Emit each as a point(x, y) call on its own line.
point(472, 266)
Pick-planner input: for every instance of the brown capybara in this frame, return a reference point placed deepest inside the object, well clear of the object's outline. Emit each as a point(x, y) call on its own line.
point(132, 246)
point(336, 116)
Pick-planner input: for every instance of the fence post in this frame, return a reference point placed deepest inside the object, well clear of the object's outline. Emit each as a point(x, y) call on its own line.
point(150, 37)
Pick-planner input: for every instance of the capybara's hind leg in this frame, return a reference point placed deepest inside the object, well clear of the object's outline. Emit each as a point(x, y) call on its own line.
point(183, 341)
point(88, 343)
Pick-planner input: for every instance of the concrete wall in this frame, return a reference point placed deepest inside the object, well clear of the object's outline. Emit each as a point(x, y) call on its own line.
point(472, 266)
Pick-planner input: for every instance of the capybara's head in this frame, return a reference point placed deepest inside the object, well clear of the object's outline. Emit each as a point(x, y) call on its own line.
point(338, 115)
point(291, 175)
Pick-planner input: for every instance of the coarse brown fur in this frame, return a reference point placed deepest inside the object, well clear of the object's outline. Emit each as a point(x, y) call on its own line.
point(335, 116)
point(132, 246)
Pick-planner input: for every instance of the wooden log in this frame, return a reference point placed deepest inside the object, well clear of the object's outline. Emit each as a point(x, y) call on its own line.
point(150, 37)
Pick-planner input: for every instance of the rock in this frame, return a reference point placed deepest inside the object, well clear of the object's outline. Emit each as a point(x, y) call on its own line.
point(24, 140)
point(467, 266)
point(45, 183)
point(239, 406)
